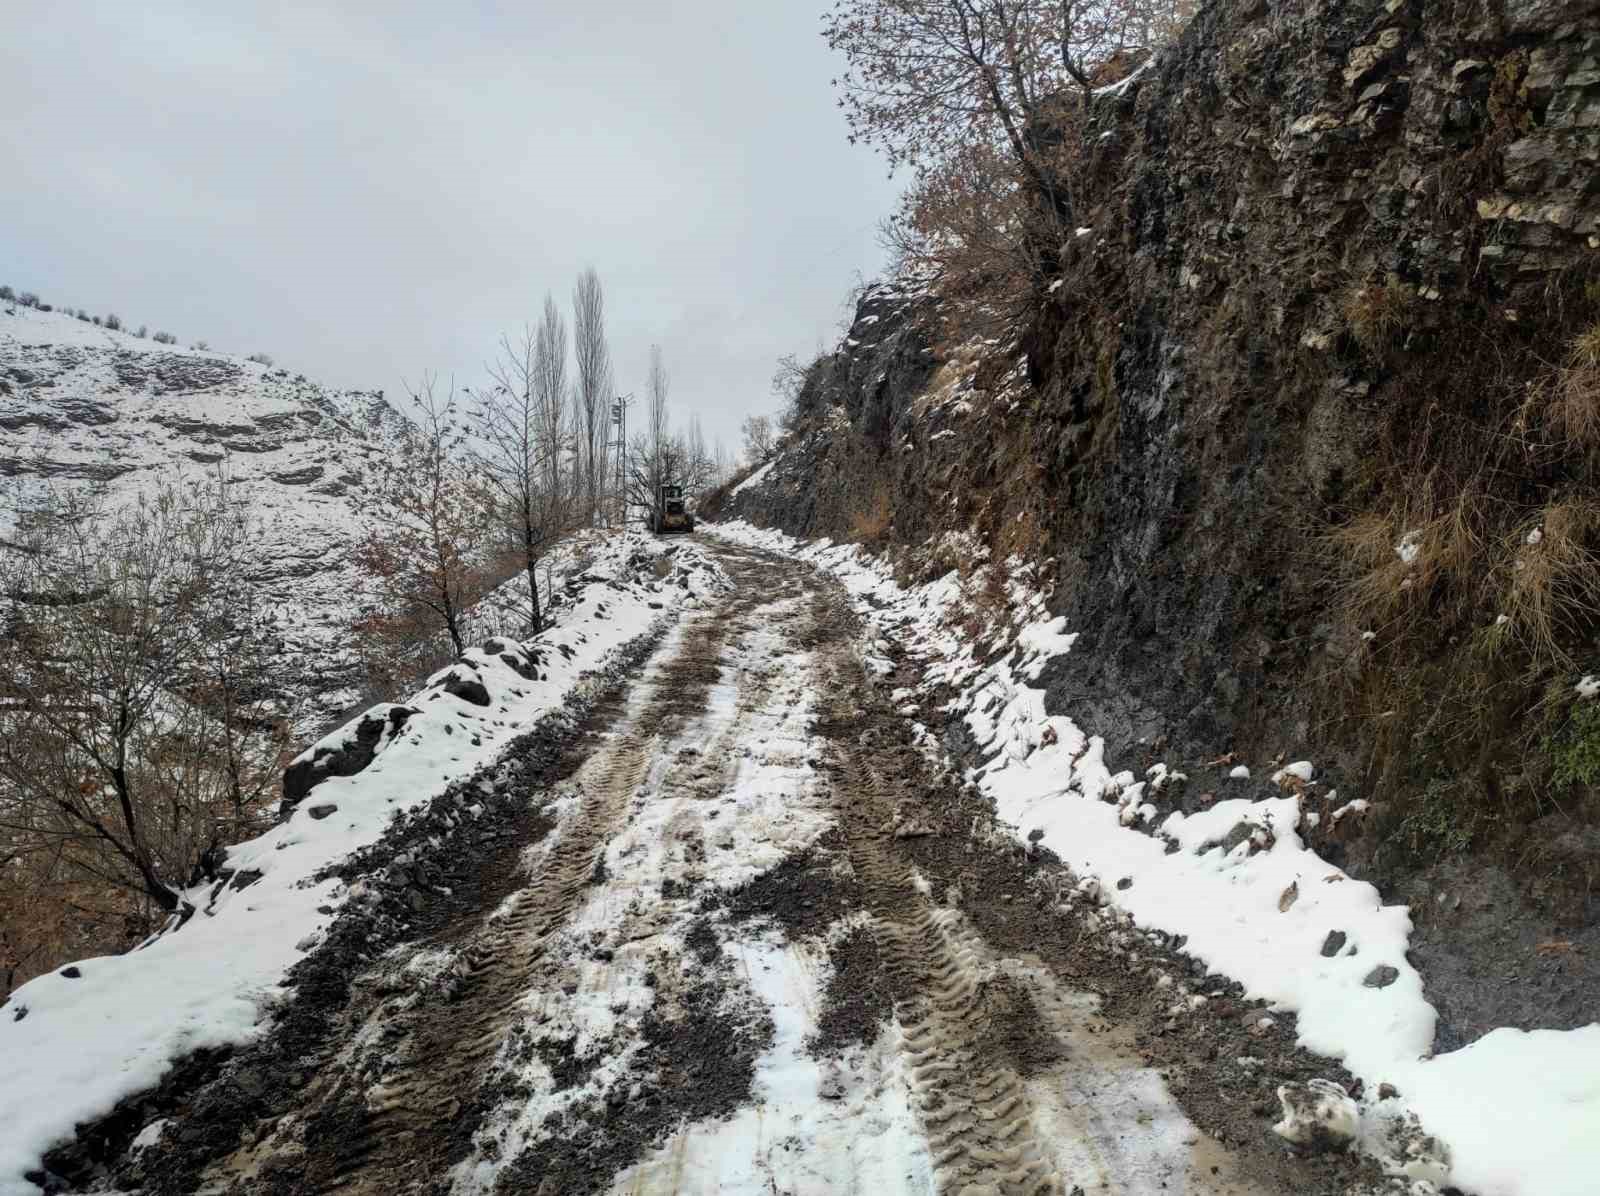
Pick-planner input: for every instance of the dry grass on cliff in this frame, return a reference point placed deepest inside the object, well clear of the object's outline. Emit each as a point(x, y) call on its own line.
point(1473, 562)
point(1378, 313)
point(1549, 586)
point(1464, 555)
point(1570, 397)
point(1401, 558)
point(873, 519)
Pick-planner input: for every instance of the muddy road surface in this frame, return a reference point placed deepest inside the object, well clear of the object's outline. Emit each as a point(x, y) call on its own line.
point(745, 936)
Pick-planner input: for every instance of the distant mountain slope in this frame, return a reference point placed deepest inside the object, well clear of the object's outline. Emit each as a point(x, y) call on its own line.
point(83, 404)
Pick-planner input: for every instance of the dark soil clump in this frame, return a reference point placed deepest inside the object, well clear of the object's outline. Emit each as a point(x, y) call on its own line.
point(857, 1001)
point(1017, 1030)
point(701, 1063)
point(803, 895)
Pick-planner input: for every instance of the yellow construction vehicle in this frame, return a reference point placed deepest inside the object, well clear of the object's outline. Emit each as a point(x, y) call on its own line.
point(670, 515)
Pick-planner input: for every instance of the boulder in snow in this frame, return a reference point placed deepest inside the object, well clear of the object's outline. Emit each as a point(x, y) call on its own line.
point(1381, 976)
point(343, 753)
point(469, 687)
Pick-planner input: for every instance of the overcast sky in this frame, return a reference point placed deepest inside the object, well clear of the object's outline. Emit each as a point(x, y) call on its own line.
point(370, 190)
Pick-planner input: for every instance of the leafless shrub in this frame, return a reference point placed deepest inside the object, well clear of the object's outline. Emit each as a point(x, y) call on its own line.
point(135, 730)
point(759, 443)
point(421, 547)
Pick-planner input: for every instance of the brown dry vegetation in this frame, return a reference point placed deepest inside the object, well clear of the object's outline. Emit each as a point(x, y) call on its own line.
point(138, 726)
point(874, 517)
point(1379, 313)
point(1461, 686)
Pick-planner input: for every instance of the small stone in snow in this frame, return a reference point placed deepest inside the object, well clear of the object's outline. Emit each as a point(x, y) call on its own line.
point(1333, 944)
point(1387, 1091)
point(1125, 883)
point(1318, 1115)
point(71, 973)
point(1381, 976)
point(322, 811)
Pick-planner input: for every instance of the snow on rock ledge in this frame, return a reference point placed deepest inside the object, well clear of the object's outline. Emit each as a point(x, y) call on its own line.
point(477, 679)
point(344, 752)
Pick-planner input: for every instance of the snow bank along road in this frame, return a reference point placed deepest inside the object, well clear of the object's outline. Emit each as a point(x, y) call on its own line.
point(739, 935)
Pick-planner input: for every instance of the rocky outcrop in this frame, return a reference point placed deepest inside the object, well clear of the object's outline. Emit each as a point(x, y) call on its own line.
point(90, 405)
point(1316, 252)
point(1192, 396)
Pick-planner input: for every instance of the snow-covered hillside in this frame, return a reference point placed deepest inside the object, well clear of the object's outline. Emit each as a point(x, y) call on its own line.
point(82, 404)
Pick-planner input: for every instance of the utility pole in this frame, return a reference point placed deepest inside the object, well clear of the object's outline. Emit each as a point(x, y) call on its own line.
point(619, 420)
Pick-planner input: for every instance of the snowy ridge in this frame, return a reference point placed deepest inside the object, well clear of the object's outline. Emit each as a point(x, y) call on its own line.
point(80, 1039)
point(83, 404)
point(1513, 1114)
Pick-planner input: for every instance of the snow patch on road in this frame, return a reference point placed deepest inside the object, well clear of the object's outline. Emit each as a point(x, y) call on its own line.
point(1515, 1114)
point(812, 1125)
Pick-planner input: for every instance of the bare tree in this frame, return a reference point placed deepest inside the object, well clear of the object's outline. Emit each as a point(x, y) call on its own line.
point(423, 545)
point(651, 463)
point(789, 383)
point(593, 384)
point(122, 722)
point(926, 77)
point(969, 225)
point(522, 426)
point(698, 466)
point(759, 444)
point(552, 395)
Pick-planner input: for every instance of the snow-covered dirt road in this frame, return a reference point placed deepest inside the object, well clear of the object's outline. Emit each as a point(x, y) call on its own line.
point(742, 936)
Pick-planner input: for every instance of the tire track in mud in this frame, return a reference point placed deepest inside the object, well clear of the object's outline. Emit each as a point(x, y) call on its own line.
point(1023, 1081)
point(693, 1024)
point(452, 1046)
point(974, 1109)
point(401, 1133)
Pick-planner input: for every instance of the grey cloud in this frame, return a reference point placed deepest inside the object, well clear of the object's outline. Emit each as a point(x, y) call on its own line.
point(368, 191)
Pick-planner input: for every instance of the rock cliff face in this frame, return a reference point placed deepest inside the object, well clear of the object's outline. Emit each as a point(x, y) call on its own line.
point(81, 404)
point(1191, 394)
point(1308, 246)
